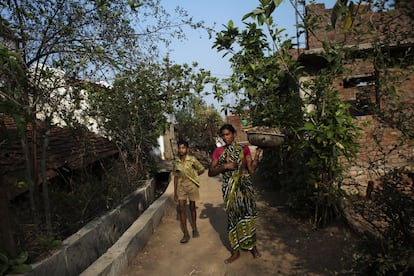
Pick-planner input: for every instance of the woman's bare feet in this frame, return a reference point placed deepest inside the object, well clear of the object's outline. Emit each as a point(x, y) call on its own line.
point(232, 258)
point(255, 253)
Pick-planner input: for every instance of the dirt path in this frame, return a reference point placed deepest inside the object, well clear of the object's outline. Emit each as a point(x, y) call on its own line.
point(288, 246)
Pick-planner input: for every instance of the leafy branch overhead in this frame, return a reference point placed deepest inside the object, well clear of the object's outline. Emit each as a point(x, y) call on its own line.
point(262, 14)
point(267, 79)
point(92, 39)
point(343, 11)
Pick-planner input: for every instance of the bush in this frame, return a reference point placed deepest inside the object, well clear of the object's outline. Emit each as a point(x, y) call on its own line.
point(391, 214)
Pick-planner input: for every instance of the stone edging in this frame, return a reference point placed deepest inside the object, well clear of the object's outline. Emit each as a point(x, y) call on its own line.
point(92, 242)
point(116, 259)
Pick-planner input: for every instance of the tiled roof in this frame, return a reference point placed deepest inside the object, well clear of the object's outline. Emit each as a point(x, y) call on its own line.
point(68, 148)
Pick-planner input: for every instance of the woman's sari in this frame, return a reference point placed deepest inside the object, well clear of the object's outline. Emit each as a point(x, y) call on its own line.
point(240, 204)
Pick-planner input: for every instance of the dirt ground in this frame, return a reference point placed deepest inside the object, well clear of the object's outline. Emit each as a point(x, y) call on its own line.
point(289, 246)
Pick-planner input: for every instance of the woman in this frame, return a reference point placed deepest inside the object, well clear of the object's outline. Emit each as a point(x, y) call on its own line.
point(236, 165)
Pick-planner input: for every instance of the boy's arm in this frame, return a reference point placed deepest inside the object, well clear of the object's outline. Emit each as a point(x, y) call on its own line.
point(175, 188)
point(198, 166)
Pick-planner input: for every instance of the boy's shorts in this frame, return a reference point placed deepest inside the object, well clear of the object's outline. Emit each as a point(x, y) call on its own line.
point(188, 189)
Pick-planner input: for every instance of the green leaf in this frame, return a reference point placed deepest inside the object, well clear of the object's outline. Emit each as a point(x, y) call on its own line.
point(4, 263)
point(258, 11)
point(339, 145)
point(134, 4)
point(20, 121)
point(309, 126)
point(21, 268)
point(347, 22)
point(21, 258)
point(319, 139)
point(21, 184)
point(230, 24)
point(337, 11)
point(261, 19)
point(272, 6)
point(4, 259)
point(247, 15)
point(277, 2)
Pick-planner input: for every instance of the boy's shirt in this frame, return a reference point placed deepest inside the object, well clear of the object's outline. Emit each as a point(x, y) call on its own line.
point(189, 168)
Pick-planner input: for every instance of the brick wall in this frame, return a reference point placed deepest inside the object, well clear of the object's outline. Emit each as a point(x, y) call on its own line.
point(235, 120)
point(367, 21)
point(381, 147)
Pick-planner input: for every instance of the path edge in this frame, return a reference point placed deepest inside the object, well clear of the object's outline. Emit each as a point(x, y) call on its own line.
point(116, 259)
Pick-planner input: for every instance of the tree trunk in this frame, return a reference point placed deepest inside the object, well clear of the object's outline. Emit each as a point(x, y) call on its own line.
point(125, 163)
point(45, 186)
point(6, 228)
point(29, 177)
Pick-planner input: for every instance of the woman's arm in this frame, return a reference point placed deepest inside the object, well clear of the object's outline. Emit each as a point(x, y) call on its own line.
point(215, 169)
point(253, 163)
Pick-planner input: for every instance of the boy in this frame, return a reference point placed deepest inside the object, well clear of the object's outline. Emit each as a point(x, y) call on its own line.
point(186, 185)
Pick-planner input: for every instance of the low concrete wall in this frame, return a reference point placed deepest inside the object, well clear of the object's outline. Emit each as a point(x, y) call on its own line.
point(117, 258)
point(84, 247)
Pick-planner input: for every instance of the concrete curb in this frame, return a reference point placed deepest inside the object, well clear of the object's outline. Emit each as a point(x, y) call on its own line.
point(134, 239)
point(84, 247)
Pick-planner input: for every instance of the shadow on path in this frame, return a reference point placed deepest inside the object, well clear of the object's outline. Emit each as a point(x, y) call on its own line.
point(217, 218)
point(289, 245)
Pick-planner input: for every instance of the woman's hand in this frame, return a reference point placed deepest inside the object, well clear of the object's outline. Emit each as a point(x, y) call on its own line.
point(215, 169)
point(254, 162)
point(257, 154)
point(230, 166)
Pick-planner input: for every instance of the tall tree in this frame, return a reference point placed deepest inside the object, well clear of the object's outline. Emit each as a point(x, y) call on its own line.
point(77, 39)
point(268, 77)
point(198, 123)
point(144, 103)
point(133, 113)
point(185, 86)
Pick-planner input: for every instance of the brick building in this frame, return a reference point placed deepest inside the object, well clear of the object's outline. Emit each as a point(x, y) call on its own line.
point(236, 121)
point(393, 31)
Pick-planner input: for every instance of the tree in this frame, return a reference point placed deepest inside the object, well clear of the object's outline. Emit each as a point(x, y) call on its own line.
point(270, 83)
point(78, 39)
point(389, 210)
point(132, 112)
point(325, 139)
point(198, 123)
point(138, 108)
point(185, 86)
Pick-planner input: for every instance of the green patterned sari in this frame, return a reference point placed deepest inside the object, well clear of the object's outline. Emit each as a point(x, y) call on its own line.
point(240, 204)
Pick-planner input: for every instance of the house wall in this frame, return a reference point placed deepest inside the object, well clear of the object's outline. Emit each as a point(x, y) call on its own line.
point(370, 23)
point(380, 150)
point(381, 147)
point(170, 143)
point(235, 120)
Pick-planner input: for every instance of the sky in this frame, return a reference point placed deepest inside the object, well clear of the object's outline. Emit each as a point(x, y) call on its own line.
point(197, 47)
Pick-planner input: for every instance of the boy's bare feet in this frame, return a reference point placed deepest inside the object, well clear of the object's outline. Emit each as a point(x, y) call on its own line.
point(186, 238)
point(232, 258)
